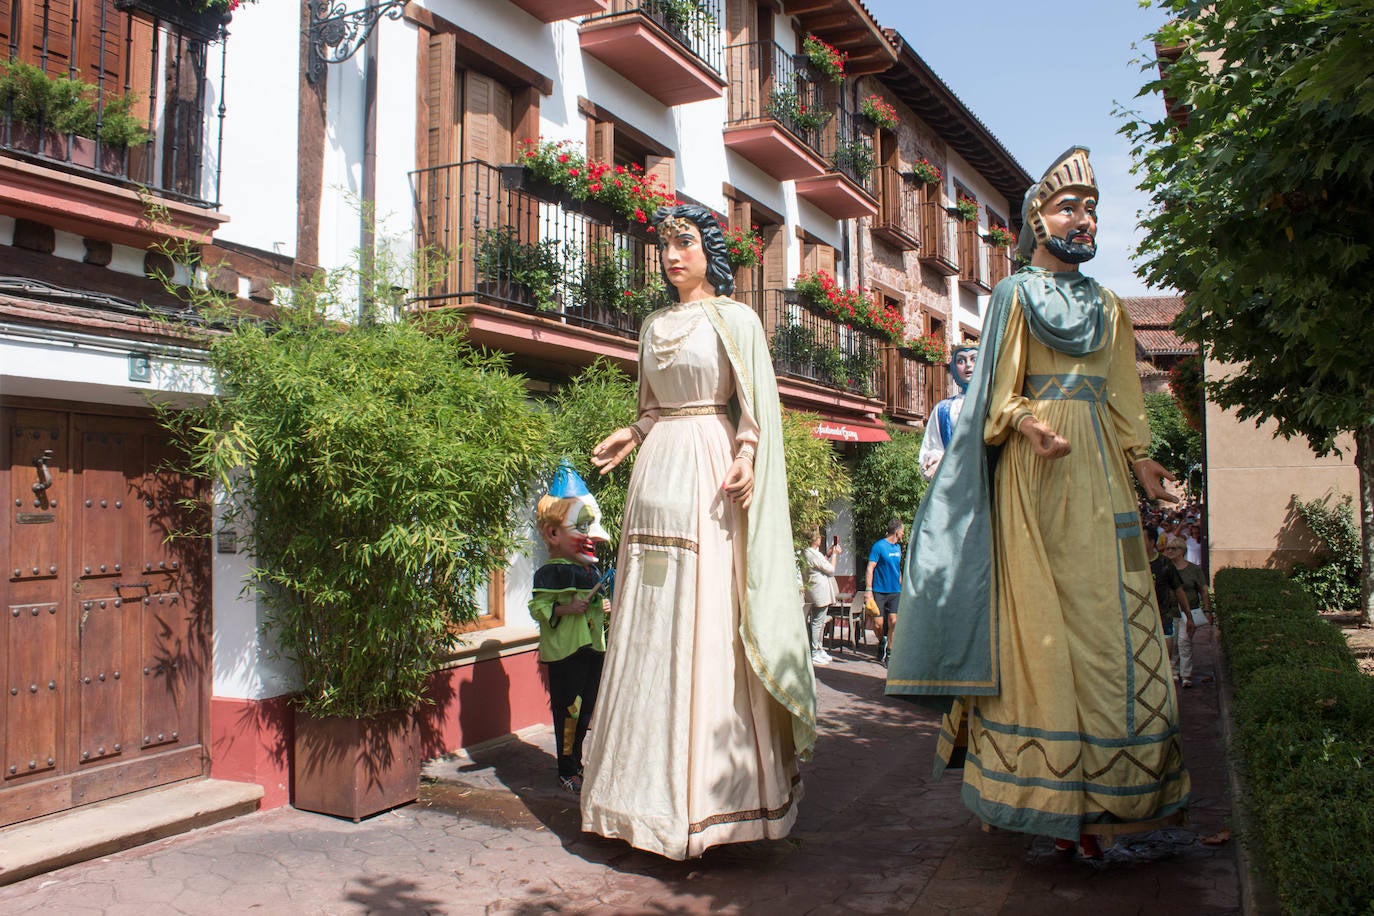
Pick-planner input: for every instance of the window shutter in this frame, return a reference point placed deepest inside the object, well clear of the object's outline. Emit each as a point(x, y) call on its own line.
point(442, 127)
point(601, 140)
point(664, 168)
point(487, 121)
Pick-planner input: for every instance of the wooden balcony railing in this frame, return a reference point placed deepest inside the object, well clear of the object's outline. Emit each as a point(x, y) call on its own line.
point(814, 347)
point(768, 83)
point(913, 385)
point(973, 258)
point(898, 219)
point(527, 247)
point(939, 247)
point(999, 264)
point(119, 93)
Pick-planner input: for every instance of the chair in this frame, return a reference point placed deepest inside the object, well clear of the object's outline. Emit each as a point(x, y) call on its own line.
point(849, 615)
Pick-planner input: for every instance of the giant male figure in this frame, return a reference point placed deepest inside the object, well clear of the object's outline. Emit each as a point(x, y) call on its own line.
point(1028, 611)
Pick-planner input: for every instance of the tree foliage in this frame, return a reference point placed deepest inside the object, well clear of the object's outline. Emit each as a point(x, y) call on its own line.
point(815, 476)
point(599, 400)
point(1261, 180)
point(1262, 204)
point(887, 484)
point(1174, 443)
point(378, 469)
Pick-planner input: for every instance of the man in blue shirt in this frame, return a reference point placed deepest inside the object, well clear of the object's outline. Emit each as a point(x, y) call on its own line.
point(884, 582)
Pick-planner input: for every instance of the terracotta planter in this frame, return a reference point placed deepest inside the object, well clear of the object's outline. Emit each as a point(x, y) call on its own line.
point(46, 142)
point(355, 768)
point(83, 152)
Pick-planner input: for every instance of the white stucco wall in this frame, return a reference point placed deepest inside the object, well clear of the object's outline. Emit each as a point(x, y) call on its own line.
point(258, 166)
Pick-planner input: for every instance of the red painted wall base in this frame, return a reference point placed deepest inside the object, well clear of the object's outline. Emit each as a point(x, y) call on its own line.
point(250, 740)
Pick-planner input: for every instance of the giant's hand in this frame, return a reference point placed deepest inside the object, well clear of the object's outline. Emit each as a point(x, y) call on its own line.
point(1044, 441)
point(614, 449)
point(1152, 475)
point(739, 482)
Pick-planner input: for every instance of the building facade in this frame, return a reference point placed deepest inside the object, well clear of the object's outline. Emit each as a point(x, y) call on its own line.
point(279, 144)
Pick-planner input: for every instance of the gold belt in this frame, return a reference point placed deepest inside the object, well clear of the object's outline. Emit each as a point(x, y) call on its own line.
point(704, 410)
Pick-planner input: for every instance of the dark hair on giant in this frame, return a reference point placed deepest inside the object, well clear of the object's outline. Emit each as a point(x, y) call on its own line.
point(718, 272)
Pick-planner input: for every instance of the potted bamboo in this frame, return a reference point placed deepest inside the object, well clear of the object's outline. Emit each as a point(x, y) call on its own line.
point(376, 470)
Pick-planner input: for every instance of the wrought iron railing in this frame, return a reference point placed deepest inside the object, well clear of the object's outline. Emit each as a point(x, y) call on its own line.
point(809, 345)
point(693, 24)
point(517, 244)
point(767, 82)
point(116, 91)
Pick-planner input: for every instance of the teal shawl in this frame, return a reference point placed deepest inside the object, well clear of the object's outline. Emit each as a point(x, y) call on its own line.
point(771, 623)
point(945, 645)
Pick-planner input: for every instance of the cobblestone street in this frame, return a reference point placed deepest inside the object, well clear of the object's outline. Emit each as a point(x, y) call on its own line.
point(493, 834)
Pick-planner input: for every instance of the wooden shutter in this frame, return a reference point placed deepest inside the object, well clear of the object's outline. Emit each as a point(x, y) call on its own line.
point(443, 129)
point(664, 168)
point(601, 140)
point(487, 119)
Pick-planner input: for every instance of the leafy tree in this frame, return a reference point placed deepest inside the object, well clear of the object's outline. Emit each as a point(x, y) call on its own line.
point(599, 400)
point(1173, 442)
point(887, 484)
point(815, 476)
point(1261, 178)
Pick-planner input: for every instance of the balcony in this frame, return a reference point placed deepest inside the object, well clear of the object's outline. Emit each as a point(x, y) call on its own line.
point(847, 190)
point(557, 10)
point(671, 49)
point(973, 259)
point(776, 114)
point(999, 264)
point(913, 385)
point(534, 272)
point(939, 244)
point(898, 219)
point(810, 346)
point(95, 116)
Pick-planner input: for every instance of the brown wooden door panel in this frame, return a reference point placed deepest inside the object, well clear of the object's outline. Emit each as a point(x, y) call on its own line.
point(170, 673)
point(77, 729)
point(33, 678)
point(100, 677)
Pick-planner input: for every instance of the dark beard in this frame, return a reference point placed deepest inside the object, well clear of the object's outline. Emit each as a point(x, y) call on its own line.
point(1071, 252)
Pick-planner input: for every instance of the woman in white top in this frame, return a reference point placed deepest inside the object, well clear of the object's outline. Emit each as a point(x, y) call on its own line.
point(821, 592)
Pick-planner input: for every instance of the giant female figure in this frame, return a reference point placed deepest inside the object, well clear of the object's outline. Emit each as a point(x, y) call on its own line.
point(707, 697)
point(1028, 609)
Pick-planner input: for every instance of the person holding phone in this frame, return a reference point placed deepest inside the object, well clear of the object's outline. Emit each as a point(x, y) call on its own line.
point(822, 593)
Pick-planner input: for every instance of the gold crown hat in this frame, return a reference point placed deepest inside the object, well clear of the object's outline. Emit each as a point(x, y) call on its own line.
point(1070, 170)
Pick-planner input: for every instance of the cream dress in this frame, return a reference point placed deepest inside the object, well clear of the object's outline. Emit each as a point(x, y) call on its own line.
point(687, 750)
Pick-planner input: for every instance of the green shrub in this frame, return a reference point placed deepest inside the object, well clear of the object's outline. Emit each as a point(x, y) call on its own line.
point(815, 476)
point(1304, 742)
point(1334, 579)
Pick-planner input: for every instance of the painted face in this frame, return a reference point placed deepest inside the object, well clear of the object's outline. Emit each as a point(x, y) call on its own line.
point(577, 537)
point(684, 257)
point(1070, 218)
point(963, 366)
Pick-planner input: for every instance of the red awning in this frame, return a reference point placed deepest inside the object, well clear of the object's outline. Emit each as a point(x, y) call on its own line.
point(850, 431)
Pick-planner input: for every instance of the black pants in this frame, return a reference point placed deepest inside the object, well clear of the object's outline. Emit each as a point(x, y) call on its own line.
point(573, 683)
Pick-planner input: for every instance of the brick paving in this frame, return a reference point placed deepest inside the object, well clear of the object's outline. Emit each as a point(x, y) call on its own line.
point(492, 834)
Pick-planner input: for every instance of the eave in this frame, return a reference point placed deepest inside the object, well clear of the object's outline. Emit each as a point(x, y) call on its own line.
point(850, 27)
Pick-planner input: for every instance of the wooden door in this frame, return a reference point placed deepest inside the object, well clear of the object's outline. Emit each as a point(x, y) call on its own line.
point(104, 644)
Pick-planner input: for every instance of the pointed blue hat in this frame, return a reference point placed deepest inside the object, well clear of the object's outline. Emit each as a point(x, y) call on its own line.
point(567, 482)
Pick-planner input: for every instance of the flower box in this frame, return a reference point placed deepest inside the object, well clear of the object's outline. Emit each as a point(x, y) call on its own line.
point(204, 24)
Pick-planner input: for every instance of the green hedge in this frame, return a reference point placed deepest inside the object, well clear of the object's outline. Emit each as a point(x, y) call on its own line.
point(1304, 740)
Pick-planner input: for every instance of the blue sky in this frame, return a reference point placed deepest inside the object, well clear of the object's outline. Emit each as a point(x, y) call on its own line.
point(1043, 76)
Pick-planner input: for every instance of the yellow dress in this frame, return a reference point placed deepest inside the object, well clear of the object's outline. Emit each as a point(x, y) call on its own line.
point(1083, 735)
